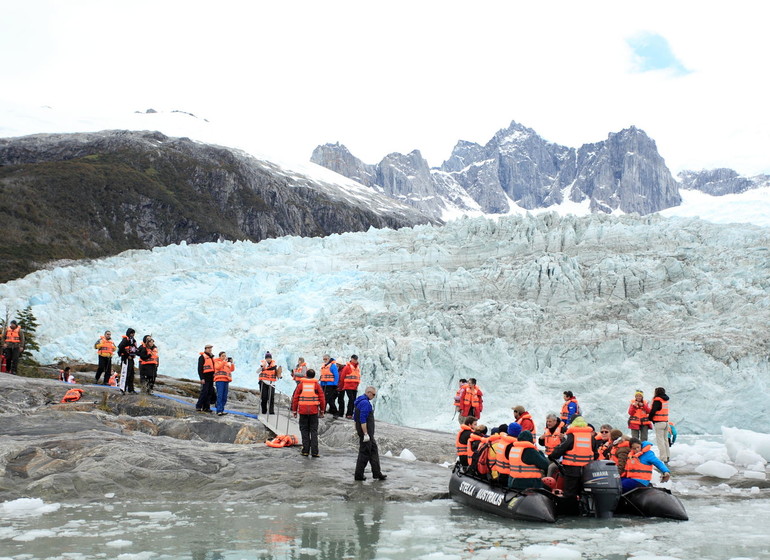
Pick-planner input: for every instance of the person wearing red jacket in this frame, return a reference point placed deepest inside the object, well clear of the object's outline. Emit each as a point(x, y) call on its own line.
point(309, 402)
point(350, 377)
point(471, 400)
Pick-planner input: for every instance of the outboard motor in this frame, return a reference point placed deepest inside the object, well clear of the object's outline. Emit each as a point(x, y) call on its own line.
point(601, 488)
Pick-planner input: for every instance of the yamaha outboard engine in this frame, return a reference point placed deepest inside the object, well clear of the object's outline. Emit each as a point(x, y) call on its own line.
point(601, 487)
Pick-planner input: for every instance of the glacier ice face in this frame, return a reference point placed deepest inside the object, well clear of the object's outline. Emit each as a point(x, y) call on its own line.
point(530, 305)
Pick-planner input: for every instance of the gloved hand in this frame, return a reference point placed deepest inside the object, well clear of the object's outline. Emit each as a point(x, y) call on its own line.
point(366, 438)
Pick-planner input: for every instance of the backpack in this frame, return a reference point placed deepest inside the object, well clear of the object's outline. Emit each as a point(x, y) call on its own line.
point(480, 459)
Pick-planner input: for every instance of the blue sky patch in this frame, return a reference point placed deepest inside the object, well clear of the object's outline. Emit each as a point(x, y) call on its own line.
point(652, 52)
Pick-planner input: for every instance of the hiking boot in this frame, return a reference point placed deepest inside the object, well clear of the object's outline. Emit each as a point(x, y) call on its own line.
point(316, 455)
point(380, 476)
point(305, 453)
point(359, 478)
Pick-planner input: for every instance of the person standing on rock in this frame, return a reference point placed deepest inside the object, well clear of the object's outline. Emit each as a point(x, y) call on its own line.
point(269, 373)
point(148, 363)
point(659, 418)
point(350, 378)
point(300, 370)
point(471, 400)
point(309, 402)
point(524, 419)
point(206, 375)
point(223, 375)
point(638, 416)
point(127, 352)
point(330, 377)
point(368, 453)
point(570, 409)
point(13, 346)
point(105, 348)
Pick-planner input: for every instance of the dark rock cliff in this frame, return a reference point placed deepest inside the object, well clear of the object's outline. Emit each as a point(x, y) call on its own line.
point(624, 172)
point(718, 182)
point(72, 196)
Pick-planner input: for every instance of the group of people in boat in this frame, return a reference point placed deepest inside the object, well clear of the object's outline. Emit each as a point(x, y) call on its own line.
point(508, 455)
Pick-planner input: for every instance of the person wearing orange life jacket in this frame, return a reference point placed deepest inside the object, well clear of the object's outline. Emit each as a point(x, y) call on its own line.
point(471, 400)
point(13, 346)
point(638, 416)
point(477, 437)
point(105, 348)
point(148, 363)
point(206, 376)
point(223, 375)
point(570, 408)
point(603, 440)
point(463, 383)
point(577, 450)
point(553, 435)
point(618, 452)
point(462, 445)
point(350, 378)
point(526, 464)
point(638, 468)
point(300, 370)
point(309, 402)
point(330, 378)
point(506, 438)
point(524, 419)
point(659, 418)
point(269, 373)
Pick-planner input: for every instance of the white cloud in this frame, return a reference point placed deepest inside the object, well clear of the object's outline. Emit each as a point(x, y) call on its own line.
point(397, 76)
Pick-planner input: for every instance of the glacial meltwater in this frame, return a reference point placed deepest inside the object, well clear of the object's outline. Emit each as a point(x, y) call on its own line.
point(730, 524)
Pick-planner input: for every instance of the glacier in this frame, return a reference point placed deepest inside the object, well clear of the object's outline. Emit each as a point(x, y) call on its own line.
point(530, 305)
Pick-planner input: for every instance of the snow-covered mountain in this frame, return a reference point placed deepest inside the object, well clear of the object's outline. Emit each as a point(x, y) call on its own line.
point(531, 306)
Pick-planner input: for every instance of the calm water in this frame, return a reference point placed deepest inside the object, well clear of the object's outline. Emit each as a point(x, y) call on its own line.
point(438, 530)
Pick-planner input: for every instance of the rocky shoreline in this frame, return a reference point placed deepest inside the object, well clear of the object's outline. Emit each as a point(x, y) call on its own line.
point(134, 446)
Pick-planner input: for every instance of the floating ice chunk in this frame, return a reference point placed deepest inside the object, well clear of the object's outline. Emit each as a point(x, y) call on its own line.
point(313, 514)
point(755, 475)
point(109, 495)
point(716, 469)
point(407, 455)
point(737, 440)
point(26, 506)
point(120, 543)
point(550, 552)
point(30, 536)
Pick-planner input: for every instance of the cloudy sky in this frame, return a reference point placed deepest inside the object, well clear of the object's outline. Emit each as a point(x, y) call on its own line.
point(393, 76)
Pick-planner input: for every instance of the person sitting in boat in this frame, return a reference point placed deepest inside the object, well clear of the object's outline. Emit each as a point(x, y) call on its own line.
point(505, 438)
point(526, 464)
point(620, 449)
point(478, 436)
point(638, 468)
point(552, 437)
point(604, 440)
point(577, 450)
point(461, 442)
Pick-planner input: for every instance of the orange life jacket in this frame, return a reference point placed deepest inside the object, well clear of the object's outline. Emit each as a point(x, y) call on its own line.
point(283, 441)
point(565, 409)
point(638, 415)
point(299, 372)
point(552, 440)
point(269, 371)
point(604, 448)
point(106, 347)
point(352, 376)
point(528, 416)
point(326, 373)
point(582, 451)
point(308, 395)
point(208, 362)
point(13, 335)
point(72, 395)
point(471, 439)
point(153, 358)
point(114, 380)
point(614, 450)
point(457, 394)
point(635, 468)
point(501, 461)
point(463, 449)
point(223, 370)
point(662, 414)
point(471, 399)
point(517, 467)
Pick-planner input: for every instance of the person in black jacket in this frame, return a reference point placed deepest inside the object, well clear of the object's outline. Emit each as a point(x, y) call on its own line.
point(206, 375)
point(126, 353)
point(659, 418)
point(148, 363)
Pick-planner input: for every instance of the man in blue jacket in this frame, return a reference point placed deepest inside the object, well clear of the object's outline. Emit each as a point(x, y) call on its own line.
point(368, 453)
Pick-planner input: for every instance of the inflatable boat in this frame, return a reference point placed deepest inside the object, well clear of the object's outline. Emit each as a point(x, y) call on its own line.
point(601, 497)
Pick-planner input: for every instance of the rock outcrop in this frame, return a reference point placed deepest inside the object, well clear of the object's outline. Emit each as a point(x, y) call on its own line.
point(624, 172)
point(73, 196)
point(721, 181)
point(138, 445)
